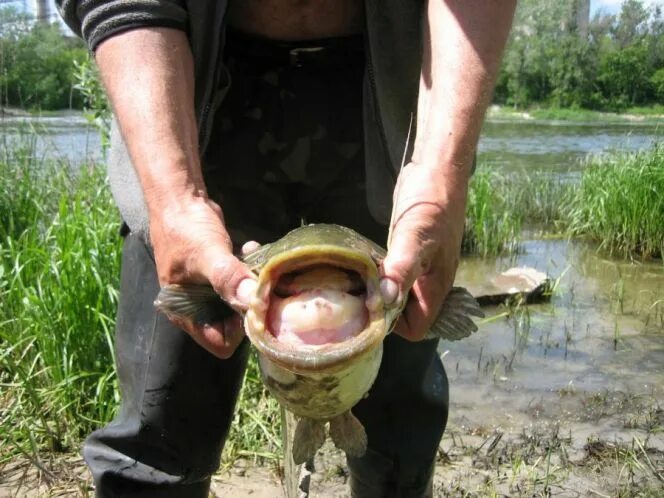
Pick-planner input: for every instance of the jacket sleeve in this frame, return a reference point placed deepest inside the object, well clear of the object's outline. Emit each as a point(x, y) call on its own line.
point(96, 20)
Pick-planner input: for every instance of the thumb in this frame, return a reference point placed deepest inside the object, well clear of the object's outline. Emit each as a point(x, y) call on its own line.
point(402, 265)
point(230, 278)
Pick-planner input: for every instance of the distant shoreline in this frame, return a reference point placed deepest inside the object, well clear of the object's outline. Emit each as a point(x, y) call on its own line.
point(645, 115)
point(653, 115)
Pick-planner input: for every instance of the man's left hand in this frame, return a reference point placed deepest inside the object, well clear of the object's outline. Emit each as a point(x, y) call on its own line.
point(424, 245)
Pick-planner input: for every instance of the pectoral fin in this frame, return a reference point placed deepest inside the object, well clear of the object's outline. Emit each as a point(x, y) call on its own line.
point(198, 303)
point(309, 437)
point(348, 434)
point(454, 322)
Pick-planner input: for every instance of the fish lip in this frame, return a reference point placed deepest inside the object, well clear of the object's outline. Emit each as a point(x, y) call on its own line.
point(330, 357)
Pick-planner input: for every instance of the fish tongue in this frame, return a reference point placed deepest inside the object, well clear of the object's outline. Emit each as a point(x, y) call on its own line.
point(316, 317)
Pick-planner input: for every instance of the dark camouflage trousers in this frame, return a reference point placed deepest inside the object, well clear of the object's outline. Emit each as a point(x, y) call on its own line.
point(288, 149)
point(288, 140)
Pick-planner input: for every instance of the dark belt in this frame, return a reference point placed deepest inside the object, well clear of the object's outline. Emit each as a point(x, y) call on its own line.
point(324, 52)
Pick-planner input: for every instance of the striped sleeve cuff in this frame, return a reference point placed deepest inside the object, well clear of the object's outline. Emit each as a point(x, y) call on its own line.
point(96, 20)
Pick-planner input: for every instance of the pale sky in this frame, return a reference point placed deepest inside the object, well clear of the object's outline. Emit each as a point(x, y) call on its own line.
point(613, 6)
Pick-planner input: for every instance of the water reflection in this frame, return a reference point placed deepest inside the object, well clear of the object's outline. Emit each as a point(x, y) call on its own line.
point(538, 146)
point(603, 330)
point(65, 137)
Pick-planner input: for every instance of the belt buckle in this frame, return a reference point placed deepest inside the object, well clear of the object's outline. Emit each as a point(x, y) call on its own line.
point(298, 56)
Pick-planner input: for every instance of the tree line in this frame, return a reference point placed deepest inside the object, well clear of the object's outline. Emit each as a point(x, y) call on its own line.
point(609, 62)
point(554, 58)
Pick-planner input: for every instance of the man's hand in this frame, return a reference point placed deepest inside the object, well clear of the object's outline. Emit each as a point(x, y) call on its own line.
point(463, 42)
point(149, 76)
point(423, 251)
point(191, 246)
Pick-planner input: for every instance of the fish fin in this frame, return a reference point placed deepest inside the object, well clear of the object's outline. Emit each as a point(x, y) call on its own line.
point(198, 303)
point(309, 437)
point(454, 322)
point(348, 434)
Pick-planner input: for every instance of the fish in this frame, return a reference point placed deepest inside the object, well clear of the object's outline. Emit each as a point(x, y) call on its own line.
point(317, 322)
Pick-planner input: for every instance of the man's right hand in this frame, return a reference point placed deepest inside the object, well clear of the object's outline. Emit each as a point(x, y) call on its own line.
point(149, 76)
point(192, 246)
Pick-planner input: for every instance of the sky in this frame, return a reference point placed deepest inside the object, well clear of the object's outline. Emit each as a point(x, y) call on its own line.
point(613, 6)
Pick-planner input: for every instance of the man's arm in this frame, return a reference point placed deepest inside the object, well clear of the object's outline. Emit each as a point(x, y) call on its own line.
point(148, 74)
point(463, 44)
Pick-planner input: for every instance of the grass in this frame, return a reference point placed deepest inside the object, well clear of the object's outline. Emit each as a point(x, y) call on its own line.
point(59, 255)
point(647, 115)
point(620, 203)
point(59, 268)
point(492, 226)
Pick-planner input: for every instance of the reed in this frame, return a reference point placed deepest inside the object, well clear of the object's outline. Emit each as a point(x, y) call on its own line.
point(492, 225)
point(59, 259)
point(619, 203)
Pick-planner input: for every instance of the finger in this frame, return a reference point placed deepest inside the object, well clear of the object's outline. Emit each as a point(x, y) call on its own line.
point(423, 306)
point(231, 279)
point(389, 290)
point(404, 263)
point(249, 247)
point(219, 338)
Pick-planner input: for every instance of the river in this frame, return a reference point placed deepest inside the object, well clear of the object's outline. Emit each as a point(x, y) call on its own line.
point(506, 145)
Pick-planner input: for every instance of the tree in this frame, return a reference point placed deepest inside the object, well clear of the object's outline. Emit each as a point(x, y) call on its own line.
point(632, 23)
point(37, 64)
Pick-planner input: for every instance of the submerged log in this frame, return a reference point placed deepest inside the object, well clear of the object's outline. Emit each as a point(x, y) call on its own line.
point(527, 284)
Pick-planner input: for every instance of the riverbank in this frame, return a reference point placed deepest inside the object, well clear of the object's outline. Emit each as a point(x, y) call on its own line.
point(652, 115)
point(646, 115)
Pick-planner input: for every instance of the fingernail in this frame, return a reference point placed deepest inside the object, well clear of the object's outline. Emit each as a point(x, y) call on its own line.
point(250, 247)
point(246, 291)
point(389, 289)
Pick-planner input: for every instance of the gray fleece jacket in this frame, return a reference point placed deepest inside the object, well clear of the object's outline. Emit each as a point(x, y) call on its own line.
point(393, 34)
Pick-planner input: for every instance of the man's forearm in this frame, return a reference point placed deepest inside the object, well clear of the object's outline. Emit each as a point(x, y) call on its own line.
point(463, 44)
point(148, 74)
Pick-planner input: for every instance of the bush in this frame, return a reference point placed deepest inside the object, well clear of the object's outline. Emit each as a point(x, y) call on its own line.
point(38, 69)
point(657, 82)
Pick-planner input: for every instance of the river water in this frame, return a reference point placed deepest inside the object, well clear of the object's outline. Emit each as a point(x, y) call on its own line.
point(506, 145)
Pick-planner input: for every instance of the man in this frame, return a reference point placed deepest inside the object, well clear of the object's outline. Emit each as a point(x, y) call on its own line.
point(239, 119)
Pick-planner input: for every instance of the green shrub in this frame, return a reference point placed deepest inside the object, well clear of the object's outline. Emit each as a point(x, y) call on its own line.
point(38, 66)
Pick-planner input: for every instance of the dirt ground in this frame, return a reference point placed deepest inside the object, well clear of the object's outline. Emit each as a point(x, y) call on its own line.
point(612, 448)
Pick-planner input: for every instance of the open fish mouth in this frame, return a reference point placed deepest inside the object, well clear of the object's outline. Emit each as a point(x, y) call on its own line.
point(319, 299)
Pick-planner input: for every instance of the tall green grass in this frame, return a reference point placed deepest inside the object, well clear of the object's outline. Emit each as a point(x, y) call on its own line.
point(620, 203)
point(492, 225)
point(59, 258)
point(59, 269)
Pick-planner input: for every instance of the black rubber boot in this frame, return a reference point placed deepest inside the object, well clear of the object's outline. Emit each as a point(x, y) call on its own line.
point(177, 399)
point(405, 415)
